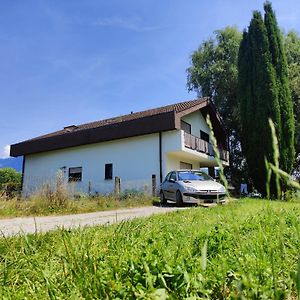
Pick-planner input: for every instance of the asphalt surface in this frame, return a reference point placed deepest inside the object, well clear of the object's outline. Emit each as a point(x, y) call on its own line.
point(25, 225)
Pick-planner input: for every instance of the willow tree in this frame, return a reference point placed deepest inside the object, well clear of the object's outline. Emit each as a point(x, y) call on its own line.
point(258, 96)
point(279, 61)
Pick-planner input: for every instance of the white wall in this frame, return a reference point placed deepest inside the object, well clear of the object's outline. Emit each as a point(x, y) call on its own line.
point(198, 123)
point(171, 141)
point(134, 160)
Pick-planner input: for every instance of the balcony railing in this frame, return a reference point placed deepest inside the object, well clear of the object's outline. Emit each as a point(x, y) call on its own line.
point(197, 144)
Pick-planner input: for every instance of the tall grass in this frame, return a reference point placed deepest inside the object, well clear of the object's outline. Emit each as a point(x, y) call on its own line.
point(245, 250)
point(40, 206)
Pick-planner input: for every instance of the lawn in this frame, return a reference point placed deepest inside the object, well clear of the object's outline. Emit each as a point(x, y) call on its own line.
point(248, 249)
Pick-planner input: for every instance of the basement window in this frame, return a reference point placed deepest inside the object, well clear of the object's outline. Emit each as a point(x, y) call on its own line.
point(75, 174)
point(108, 171)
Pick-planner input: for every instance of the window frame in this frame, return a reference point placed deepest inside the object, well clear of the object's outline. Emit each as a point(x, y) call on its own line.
point(71, 177)
point(108, 173)
point(190, 166)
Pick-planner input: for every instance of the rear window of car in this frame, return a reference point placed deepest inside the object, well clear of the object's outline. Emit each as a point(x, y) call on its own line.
point(193, 176)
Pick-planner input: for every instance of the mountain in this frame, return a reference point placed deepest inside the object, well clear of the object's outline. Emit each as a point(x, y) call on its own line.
point(12, 162)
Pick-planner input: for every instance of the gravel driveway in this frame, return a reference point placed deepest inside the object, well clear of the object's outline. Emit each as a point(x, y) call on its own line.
point(42, 224)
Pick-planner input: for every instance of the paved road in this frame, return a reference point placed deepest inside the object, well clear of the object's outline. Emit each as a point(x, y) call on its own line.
point(15, 226)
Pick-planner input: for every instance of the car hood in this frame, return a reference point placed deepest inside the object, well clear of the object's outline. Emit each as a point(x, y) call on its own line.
point(202, 184)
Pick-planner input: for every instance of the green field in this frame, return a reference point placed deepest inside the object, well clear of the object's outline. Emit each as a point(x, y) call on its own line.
point(247, 249)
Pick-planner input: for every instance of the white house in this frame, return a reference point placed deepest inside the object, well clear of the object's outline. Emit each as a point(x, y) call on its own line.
point(135, 147)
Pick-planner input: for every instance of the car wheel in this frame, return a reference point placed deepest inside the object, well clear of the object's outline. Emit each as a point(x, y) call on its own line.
point(179, 201)
point(163, 199)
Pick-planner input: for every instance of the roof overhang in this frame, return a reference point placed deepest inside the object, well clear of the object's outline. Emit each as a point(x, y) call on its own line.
point(126, 129)
point(158, 122)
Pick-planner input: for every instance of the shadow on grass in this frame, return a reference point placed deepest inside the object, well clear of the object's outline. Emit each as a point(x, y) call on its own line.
point(173, 204)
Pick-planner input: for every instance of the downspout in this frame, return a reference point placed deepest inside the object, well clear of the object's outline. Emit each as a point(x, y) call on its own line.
point(23, 170)
point(160, 157)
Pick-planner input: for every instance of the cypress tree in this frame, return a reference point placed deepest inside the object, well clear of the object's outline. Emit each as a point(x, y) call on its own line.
point(258, 96)
point(287, 131)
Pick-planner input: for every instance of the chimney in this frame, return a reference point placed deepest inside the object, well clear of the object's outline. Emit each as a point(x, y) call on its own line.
point(70, 128)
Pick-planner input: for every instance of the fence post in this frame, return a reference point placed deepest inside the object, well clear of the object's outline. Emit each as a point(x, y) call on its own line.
point(90, 188)
point(117, 185)
point(153, 185)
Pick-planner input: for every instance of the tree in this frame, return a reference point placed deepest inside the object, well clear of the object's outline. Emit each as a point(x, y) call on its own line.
point(292, 47)
point(279, 61)
point(258, 96)
point(213, 73)
point(10, 181)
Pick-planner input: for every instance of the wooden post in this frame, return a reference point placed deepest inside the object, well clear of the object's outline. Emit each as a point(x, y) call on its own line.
point(90, 188)
point(117, 186)
point(153, 185)
point(211, 172)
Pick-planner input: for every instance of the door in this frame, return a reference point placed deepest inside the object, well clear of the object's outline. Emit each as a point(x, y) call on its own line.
point(172, 186)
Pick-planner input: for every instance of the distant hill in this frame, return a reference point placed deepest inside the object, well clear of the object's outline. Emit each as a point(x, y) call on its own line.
point(12, 162)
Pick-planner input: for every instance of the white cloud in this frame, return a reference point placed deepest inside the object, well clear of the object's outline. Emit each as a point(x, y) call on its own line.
point(123, 23)
point(5, 152)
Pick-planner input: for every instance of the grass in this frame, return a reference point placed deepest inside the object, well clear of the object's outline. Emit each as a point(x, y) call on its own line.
point(39, 206)
point(248, 249)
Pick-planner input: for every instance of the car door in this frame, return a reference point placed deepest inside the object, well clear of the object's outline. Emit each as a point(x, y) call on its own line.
point(172, 186)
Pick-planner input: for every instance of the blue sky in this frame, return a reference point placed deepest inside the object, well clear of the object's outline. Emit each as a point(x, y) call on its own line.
point(66, 62)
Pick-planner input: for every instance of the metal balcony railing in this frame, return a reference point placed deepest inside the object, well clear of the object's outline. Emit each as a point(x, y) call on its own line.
point(197, 144)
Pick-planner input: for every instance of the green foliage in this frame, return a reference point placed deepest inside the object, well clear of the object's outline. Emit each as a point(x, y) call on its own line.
point(286, 131)
point(10, 181)
point(213, 73)
point(292, 47)
point(258, 95)
point(246, 250)
point(278, 173)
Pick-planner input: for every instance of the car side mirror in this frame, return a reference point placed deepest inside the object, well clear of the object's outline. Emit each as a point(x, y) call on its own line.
point(172, 180)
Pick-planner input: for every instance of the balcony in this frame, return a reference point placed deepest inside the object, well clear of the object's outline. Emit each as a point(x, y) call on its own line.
point(195, 143)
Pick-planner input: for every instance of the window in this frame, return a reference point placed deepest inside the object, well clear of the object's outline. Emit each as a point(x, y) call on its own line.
point(186, 127)
point(108, 171)
point(193, 175)
point(173, 176)
point(204, 136)
point(75, 174)
point(168, 176)
point(185, 166)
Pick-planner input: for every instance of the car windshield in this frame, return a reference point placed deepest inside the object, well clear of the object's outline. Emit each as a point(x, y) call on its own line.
point(193, 175)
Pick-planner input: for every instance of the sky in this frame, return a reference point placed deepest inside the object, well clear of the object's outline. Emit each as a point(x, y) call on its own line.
point(66, 62)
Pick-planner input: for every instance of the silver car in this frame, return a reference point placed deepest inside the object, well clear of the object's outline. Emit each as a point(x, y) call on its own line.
point(190, 186)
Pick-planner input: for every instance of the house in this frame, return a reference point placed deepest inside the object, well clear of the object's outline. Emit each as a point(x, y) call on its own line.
point(137, 148)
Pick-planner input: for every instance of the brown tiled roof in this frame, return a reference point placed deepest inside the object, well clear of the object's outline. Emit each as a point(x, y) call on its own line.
point(177, 107)
point(140, 123)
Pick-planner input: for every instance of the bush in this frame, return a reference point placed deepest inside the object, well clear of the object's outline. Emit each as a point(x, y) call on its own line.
point(10, 182)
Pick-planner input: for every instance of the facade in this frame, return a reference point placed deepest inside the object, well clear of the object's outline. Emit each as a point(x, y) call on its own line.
point(135, 148)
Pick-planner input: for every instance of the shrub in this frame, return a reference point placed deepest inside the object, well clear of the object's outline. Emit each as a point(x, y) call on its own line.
point(10, 182)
